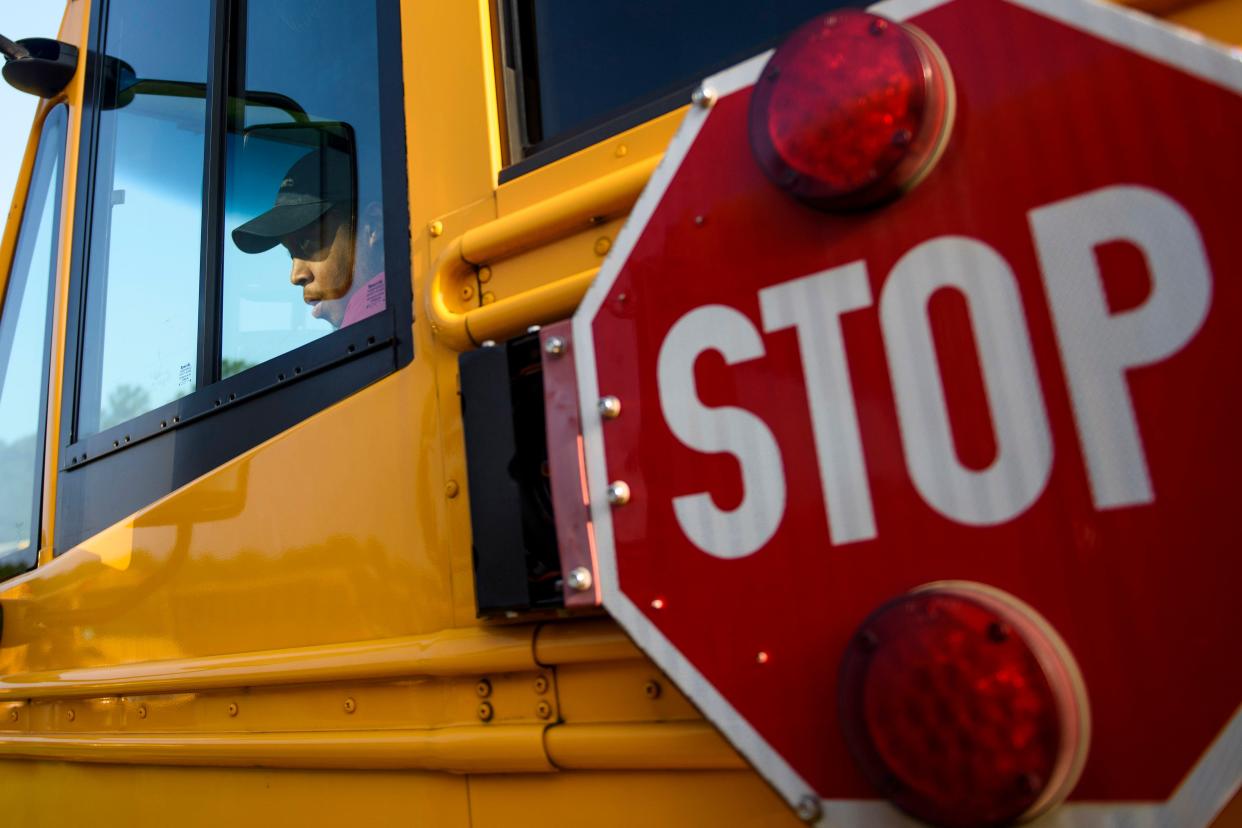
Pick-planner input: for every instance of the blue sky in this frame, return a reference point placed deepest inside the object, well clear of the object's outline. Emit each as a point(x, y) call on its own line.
point(20, 19)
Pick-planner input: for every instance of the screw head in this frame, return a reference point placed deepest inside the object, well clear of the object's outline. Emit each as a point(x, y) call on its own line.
point(652, 689)
point(609, 407)
point(233, 708)
point(579, 579)
point(809, 809)
point(485, 711)
point(483, 688)
point(485, 274)
point(618, 493)
point(602, 245)
point(13, 715)
point(554, 346)
point(142, 711)
point(451, 489)
point(350, 705)
point(71, 715)
point(488, 298)
point(543, 710)
point(436, 229)
point(541, 684)
point(703, 97)
point(467, 293)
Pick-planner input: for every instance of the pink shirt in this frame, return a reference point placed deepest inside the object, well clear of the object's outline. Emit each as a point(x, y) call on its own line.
point(367, 300)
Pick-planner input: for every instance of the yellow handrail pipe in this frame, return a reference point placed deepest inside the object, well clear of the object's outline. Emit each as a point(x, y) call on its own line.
point(556, 218)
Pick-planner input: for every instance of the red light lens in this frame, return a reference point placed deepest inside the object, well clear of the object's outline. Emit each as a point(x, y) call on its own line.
point(850, 110)
point(962, 708)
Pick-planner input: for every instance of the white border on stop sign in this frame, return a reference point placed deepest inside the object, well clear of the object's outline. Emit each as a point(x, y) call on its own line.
point(1216, 777)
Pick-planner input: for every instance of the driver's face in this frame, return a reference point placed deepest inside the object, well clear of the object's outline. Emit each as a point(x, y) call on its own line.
point(322, 256)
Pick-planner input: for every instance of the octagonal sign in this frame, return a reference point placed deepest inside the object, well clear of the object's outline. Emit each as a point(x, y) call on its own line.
point(1023, 373)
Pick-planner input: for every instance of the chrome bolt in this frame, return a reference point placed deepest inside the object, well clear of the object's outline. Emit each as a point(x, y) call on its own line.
point(809, 809)
point(618, 493)
point(580, 579)
point(554, 346)
point(703, 96)
point(609, 407)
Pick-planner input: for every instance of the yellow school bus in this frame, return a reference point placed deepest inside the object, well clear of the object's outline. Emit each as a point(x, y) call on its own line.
point(245, 582)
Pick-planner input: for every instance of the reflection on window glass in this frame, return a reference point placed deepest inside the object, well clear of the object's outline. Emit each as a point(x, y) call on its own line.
point(24, 354)
point(141, 334)
point(304, 233)
point(585, 61)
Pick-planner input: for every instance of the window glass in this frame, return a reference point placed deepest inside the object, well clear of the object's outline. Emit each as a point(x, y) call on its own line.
point(141, 327)
point(24, 354)
point(583, 62)
point(303, 251)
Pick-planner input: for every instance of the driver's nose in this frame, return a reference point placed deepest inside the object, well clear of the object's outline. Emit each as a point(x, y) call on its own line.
point(300, 274)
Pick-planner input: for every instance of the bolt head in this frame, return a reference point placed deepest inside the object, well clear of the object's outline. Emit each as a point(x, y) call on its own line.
point(488, 343)
point(451, 489)
point(350, 705)
point(580, 579)
point(485, 711)
point(618, 493)
point(543, 710)
point(483, 688)
point(609, 407)
point(555, 346)
point(703, 97)
point(809, 809)
point(436, 229)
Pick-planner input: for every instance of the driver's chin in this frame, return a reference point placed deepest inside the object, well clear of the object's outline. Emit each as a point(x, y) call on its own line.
point(333, 310)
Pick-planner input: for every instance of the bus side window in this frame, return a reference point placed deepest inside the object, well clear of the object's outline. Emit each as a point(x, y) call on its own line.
point(25, 354)
point(230, 267)
point(579, 72)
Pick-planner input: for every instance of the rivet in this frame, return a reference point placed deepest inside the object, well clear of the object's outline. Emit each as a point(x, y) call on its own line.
point(602, 245)
point(609, 407)
point(579, 579)
point(488, 298)
point(809, 809)
point(71, 715)
point(700, 220)
point(541, 684)
point(451, 489)
point(485, 711)
point(142, 711)
point(554, 346)
point(652, 689)
point(467, 293)
point(436, 229)
point(534, 329)
point(762, 657)
point(703, 97)
point(543, 710)
point(618, 493)
point(622, 150)
point(485, 274)
point(350, 705)
point(233, 708)
point(13, 715)
point(657, 603)
point(488, 343)
point(483, 688)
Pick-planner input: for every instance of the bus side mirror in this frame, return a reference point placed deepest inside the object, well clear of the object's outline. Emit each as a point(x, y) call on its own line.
point(38, 65)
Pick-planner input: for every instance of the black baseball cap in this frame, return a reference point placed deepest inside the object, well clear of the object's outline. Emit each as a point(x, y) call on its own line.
point(317, 182)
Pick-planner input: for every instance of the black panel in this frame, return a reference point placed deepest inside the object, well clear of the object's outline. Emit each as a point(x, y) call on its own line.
point(516, 564)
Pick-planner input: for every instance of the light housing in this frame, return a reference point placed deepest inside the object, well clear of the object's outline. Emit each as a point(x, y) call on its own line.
point(852, 109)
point(964, 707)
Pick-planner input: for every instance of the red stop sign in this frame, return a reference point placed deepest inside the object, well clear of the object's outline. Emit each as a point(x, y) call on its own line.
point(1023, 373)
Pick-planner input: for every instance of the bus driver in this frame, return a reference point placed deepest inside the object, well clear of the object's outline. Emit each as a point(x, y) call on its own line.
point(339, 270)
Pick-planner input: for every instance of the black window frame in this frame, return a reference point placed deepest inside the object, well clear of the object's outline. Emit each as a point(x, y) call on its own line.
point(56, 192)
point(163, 449)
point(519, 57)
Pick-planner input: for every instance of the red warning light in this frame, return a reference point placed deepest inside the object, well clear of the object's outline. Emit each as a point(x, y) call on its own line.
point(963, 706)
point(850, 110)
